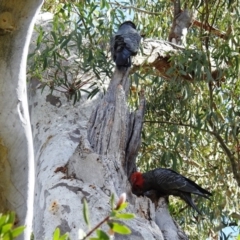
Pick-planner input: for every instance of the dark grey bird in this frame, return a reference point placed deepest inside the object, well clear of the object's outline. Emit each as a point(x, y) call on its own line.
point(167, 182)
point(124, 44)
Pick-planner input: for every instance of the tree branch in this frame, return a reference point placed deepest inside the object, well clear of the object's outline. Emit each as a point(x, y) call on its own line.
point(227, 151)
point(134, 136)
point(156, 56)
point(182, 124)
point(211, 29)
point(96, 227)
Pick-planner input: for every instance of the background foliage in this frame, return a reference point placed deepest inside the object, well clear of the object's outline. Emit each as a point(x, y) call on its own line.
point(190, 126)
point(8, 231)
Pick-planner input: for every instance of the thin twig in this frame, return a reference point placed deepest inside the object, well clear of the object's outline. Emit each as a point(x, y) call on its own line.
point(136, 9)
point(96, 227)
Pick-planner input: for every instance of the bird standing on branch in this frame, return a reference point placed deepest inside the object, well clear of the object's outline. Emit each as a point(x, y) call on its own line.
point(124, 44)
point(167, 182)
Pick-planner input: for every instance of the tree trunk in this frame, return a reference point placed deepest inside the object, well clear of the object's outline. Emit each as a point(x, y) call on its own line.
point(16, 148)
point(79, 151)
point(87, 152)
point(69, 168)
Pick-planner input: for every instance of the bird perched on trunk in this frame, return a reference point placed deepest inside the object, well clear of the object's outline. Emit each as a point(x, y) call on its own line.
point(124, 44)
point(167, 182)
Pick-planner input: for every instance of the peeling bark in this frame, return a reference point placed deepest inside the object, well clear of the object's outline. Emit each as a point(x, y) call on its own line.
point(108, 123)
point(69, 170)
point(112, 124)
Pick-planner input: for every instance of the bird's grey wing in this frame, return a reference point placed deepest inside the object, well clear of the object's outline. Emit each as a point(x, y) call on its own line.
point(132, 41)
point(131, 37)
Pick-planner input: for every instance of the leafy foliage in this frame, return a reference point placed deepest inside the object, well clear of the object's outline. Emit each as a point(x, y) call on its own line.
point(58, 236)
point(190, 125)
point(7, 222)
point(7, 230)
point(72, 57)
point(111, 220)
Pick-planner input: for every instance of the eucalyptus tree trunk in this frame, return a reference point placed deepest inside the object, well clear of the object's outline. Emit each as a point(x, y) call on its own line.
point(16, 146)
point(73, 152)
point(81, 153)
point(87, 151)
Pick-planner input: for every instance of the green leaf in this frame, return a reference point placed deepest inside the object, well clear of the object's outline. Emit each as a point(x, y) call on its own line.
point(93, 93)
point(54, 37)
point(6, 227)
point(56, 234)
point(75, 97)
point(119, 228)
point(40, 37)
point(124, 215)
point(2, 219)
point(86, 212)
point(11, 217)
point(45, 63)
point(6, 236)
point(178, 138)
point(65, 42)
point(17, 231)
point(102, 235)
point(112, 201)
point(64, 237)
point(123, 206)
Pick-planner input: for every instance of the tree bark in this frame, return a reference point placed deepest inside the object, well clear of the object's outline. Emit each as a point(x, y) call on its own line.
point(79, 160)
point(16, 148)
point(181, 23)
point(69, 168)
point(87, 152)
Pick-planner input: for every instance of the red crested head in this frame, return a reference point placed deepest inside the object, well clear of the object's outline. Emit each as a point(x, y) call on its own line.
point(137, 182)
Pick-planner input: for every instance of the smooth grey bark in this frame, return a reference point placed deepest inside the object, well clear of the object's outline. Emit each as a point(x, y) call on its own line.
point(168, 226)
point(69, 169)
point(16, 148)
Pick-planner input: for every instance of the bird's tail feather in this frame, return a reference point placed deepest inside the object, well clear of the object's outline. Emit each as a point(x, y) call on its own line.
point(202, 195)
point(188, 199)
point(123, 58)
